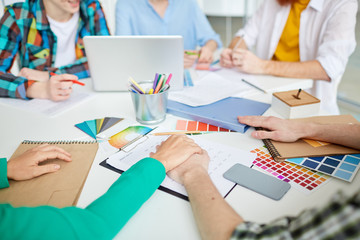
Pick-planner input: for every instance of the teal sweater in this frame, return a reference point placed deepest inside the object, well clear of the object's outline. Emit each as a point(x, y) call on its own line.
point(102, 219)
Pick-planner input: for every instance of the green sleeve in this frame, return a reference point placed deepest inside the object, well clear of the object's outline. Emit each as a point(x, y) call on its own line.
point(4, 183)
point(102, 219)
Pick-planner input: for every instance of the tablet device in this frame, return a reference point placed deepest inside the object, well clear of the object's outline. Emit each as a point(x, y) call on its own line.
point(112, 59)
point(257, 181)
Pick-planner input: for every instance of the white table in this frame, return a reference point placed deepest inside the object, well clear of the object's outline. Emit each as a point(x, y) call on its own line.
point(163, 216)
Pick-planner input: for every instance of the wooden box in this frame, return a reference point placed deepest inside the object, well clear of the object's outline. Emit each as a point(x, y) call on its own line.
point(295, 104)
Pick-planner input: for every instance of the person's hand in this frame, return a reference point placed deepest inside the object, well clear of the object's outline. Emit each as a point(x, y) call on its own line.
point(196, 163)
point(206, 55)
point(248, 62)
point(175, 150)
point(226, 58)
point(26, 166)
point(278, 129)
point(189, 60)
point(58, 88)
point(32, 74)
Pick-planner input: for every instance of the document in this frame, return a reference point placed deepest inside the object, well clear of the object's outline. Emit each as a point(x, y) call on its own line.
point(209, 88)
point(45, 106)
point(222, 157)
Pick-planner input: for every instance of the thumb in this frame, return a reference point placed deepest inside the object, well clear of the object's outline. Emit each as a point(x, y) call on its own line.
point(263, 135)
point(48, 168)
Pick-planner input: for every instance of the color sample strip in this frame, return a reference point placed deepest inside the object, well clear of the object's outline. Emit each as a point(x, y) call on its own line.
point(343, 167)
point(316, 143)
point(96, 126)
point(299, 177)
point(122, 138)
point(187, 125)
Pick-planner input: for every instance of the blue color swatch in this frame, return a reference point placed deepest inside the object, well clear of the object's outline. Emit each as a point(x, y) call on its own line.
point(343, 167)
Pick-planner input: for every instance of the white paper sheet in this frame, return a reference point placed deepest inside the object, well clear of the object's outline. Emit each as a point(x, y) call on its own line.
point(209, 88)
point(222, 157)
point(47, 107)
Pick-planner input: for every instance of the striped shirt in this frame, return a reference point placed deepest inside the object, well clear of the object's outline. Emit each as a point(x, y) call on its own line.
point(25, 32)
point(340, 219)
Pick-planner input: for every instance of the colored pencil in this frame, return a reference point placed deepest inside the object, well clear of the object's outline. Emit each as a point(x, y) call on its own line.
point(168, 79)
point(73, 81)
point(159, 84)
point(136, 84)
point(176, 133)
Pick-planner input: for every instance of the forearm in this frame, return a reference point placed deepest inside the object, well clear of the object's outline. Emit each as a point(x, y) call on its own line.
point(214, 217)
point(211, 45)
point(80, 68)
point(102, 219)
point(308, 69)
point(13, 86)
point(343, 134)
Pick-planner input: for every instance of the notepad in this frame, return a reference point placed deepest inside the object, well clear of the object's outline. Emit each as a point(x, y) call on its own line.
point(309, 148)
point(222, 113)
point(59, 189)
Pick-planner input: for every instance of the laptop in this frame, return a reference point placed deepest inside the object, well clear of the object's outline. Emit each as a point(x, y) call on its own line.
point(113, 59)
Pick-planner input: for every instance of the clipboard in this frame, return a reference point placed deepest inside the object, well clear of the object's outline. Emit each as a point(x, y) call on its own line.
point(222, 158)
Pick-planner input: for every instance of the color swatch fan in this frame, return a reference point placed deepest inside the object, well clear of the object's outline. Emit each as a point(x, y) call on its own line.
point(299, 177)
point(343, 167)
point(96, 126)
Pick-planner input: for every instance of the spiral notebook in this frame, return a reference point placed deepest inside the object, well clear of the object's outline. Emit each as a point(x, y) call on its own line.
point(59, 189)
point(311, 148)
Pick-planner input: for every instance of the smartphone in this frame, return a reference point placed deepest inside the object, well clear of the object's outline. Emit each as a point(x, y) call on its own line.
point(257, 181)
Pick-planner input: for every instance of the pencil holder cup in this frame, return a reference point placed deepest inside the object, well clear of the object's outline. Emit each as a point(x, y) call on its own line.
point(149, 108)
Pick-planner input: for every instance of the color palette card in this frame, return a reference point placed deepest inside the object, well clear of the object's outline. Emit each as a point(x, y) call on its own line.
point(343, 167)
point(96, 126)
point(128, 136)
point(299, 177)
point(186, 125)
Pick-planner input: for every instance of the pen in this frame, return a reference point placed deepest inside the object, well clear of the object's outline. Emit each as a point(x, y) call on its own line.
point(136, 84)
point(73, 81)
point(155, 80)
point(136, 89)
point(253, 86)
point(175, 133)
point(192, 53)
point(169, 78)
point(238, 43)
point(215, 62)
point(159, 84)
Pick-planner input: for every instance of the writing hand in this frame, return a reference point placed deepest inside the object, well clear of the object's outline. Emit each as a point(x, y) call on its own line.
point(58, 88)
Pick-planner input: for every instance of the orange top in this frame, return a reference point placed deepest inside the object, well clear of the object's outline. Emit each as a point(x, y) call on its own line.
point(288, 46)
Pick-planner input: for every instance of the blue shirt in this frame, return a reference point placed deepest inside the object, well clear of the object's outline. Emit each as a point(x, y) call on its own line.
point(182, 17)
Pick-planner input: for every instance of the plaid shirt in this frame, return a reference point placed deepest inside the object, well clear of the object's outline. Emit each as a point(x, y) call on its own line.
point(25, 31)
point(340, 219)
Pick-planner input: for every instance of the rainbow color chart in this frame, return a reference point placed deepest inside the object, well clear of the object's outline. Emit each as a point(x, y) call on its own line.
point(128, 135)
point(343, 167)
point(185, 125)
point(299, 177)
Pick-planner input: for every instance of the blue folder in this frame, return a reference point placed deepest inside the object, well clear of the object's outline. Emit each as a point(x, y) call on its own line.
point(222, 113)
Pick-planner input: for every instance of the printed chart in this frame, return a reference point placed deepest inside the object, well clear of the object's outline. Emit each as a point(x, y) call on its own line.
point(299, 177)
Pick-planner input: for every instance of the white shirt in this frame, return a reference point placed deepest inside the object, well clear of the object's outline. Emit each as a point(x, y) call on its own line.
point(65, 34)
point(327, 34)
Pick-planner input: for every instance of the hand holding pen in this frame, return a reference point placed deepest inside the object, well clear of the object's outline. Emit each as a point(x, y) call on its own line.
point(190, 57)
point(57, 88)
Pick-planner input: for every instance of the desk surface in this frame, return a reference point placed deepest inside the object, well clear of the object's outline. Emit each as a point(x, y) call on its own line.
point(163, 216)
